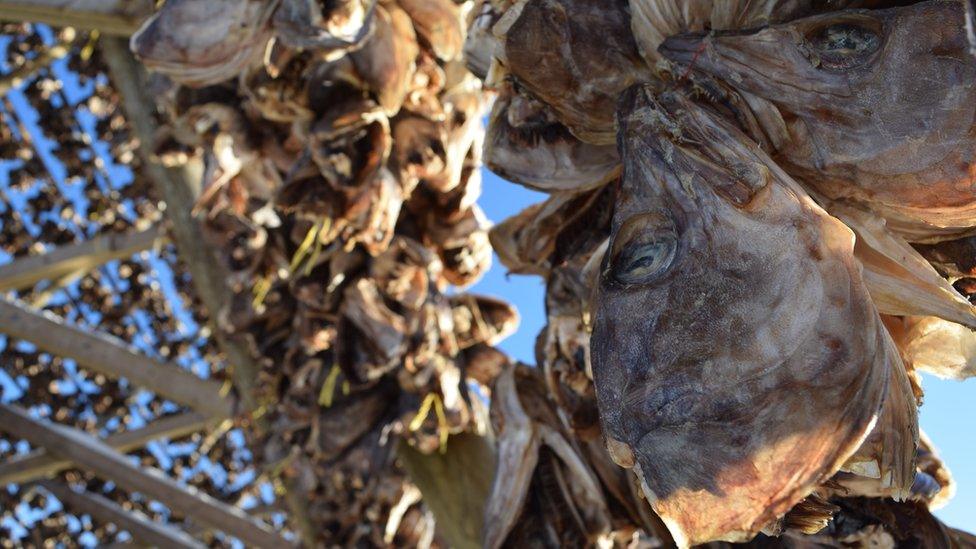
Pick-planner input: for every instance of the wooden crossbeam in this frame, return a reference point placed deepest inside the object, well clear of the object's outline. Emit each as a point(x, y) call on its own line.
point(112, 357)
point(40, 463)
point(141, 527)
point(44, 58)
point(65, 260)
point(99, 458)
point(111, 17)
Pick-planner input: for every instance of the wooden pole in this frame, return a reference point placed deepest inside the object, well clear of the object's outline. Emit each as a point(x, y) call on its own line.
point(64, 260)
point(112, 357)
point(139, 525)
point(110, 17)
point(99, 458)
point(179, 187)
point(40, 463)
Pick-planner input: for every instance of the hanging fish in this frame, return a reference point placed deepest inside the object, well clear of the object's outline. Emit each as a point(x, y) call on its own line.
point(737, 357)
point(880, 106)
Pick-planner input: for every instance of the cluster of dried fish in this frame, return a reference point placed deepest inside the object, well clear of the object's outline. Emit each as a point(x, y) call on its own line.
point(754, 239)
point(342, 147)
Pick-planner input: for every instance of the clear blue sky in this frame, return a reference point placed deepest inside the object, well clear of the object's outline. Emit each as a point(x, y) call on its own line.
point(946, 416)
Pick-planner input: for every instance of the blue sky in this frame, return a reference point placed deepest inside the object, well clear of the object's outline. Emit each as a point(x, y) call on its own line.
point(945, 416)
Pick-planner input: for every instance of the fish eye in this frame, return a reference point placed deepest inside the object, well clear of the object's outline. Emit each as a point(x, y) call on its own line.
point(843, 45)
point(644, 248)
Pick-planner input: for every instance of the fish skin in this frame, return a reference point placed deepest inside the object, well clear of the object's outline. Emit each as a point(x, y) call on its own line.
point(733, 377)
point(891, 128)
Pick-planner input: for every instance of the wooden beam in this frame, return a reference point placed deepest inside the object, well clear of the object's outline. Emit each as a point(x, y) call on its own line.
point(61, 261)
point(179, 187)
point(141, 527)
point(44, 57)
point(40, 463)
point(112, 357)
point(99, 458)
point(110, 17)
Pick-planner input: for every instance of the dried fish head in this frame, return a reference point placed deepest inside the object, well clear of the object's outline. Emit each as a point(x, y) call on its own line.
point(372, 338)
point(419, 149)
point(656, 20)
point(336, 26)
point(526, 144)
point(201, 43)
point(387, 59)
point(480, 43)
point(537, 461)
point(276, 88)
point(722, 327)
point(879, 105)
point(576, 56)
point(482, 319)
point(439, 24)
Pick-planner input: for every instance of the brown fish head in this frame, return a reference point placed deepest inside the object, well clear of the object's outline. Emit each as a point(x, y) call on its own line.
point(339, 26)
point(574, 55)
point(526, 144)
point(202, 43)
point(724, 361)
point(879, 103)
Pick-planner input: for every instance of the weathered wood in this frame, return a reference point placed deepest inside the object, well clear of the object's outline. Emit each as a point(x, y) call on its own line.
point(84, 256)
point(44, 58)
point(40, 463)
point(99, 458)
point(112, 357)
point(111, 17)
point(139, 525)
point(455, 485)
point(179, 187)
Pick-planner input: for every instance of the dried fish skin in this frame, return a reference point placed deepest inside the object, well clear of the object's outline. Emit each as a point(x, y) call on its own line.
point(199, 43)
point(480, 43)
point(576, 56)
point(276, 88)
point(525, 144)
point(336, 26)
point(847, 81)
point(941, 348)
point(526, 241)
point(464, 248)
point(387, 59)
point(710, 232)
point(419, 149)
point(900, 280)
point(439, 24)
point(482, 319)
point(532, 444)
point(372, 338)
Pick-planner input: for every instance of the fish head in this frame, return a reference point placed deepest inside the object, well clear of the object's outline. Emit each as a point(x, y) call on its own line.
point(725, 367)
point(880, 99)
